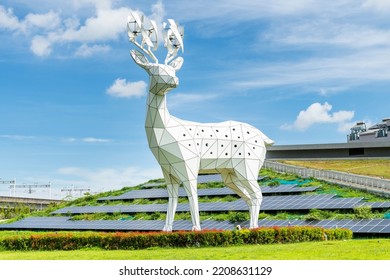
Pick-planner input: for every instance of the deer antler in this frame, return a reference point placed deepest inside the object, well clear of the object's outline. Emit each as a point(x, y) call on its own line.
point(173, 35)
point(173, 39)
point(138, 24)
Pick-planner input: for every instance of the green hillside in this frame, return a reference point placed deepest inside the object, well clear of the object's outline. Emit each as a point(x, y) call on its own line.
point(272, 179)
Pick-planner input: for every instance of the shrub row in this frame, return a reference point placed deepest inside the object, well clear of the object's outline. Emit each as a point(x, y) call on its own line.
point(133, 241)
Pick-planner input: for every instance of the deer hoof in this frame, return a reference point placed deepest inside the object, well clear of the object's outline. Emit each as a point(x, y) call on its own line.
point(196, 228)
point(167, 228)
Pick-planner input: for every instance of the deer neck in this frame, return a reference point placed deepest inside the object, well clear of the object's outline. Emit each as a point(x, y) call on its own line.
point(157, 115)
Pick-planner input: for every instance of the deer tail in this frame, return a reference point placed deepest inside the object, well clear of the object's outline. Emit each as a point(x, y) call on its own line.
point(266, 139)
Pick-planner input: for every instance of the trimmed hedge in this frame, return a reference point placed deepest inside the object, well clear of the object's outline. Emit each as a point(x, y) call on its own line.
point(137, 240)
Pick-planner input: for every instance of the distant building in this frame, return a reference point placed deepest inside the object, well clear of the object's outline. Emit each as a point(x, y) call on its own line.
point(379, 132)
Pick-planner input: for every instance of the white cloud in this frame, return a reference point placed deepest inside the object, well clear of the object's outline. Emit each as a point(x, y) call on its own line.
point(71, 23)
point(107, 24)
point(95, 140)
point(244, 10)
point(356, 68)
point(328, 32)
point(318, 113)
point(345, 127)
point(86, 51)
point(16, 137)
point(86, 140)
point(99, 4)
point(41, 46)
point(326, 91)
point(46, 21)
point(50, 20)
point(8, 20)
point(158, 12)
point(69, 139)
point(377, 5)
point(110, 178)
point(122, 88)
point(104, 20)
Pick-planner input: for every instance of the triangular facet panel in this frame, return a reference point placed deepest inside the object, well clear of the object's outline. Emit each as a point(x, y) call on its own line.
point(166, 138)
point(173, 149)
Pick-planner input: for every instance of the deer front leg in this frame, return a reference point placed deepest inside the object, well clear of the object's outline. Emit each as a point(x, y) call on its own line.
point(173, 194)
point(192, 193)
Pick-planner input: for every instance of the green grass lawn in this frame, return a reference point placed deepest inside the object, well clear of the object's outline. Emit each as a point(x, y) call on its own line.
point(356, 249)
point(369, 167)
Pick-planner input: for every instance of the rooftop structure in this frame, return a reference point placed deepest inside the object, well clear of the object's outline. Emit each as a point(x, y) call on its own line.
point(376, 133)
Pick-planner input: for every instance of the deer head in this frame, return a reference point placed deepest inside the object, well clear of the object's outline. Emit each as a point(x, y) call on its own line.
point(162, 76)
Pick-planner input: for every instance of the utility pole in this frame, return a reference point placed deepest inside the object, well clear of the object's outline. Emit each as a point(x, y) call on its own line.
point(33, 186)
point(73, 189)
point(11, 183)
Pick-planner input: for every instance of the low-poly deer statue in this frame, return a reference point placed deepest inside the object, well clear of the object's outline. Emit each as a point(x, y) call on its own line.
point(185, 149)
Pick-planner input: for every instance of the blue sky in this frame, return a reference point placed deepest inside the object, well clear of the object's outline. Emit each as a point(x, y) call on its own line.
point(72, 102)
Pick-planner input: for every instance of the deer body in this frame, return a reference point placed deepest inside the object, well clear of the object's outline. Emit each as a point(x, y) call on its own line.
point(184, 149)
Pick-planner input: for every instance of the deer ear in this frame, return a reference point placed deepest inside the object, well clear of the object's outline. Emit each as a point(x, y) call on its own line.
point(177, 63)
point(140, 59)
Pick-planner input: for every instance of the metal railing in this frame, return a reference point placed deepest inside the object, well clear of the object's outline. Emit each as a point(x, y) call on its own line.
point(367, 183)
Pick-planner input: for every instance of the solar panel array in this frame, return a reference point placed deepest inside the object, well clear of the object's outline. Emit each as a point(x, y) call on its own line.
point(357, 226)
point(153, 185)
point(269, 203)
point(365, 226)
point(202, 179)
point(209, 178)
point(373, 205)
point(163, 193)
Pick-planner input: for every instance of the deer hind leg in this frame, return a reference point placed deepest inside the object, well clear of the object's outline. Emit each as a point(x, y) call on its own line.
point(247, 173)
point(231, 180)
point(253, 189)
point(244, 189)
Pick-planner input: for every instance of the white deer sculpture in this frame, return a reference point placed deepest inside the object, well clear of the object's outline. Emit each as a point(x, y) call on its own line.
point(183, 148)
